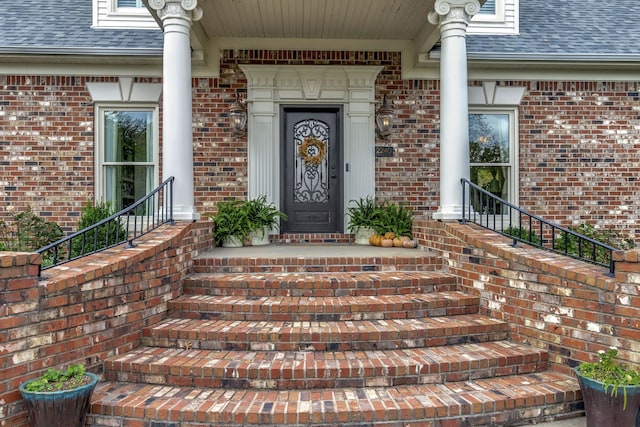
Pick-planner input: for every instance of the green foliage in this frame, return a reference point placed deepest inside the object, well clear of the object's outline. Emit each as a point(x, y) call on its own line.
point(566, 242)
point(232, 219)
point(523, 233)
point(101, 237)
point(57, 380)
point(262, 214)
point(363, 213)
point(610, 373)
point(395, 218)
point(28, 232)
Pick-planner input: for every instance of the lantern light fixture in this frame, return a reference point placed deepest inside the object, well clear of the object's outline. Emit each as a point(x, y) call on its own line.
point(238, 117)
point(384, 118)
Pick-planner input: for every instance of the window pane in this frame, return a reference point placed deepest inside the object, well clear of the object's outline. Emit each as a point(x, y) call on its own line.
point(494, 179)
point(126, 184)
point(488, 8)
point(489, 138)
point(129, 3)
point(128, 136)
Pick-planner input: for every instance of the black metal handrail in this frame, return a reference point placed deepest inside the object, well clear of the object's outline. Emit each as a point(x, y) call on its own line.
point(487, 210)
point(124, 226)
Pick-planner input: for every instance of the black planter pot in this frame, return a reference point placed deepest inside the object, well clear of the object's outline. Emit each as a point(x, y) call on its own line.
point(66, 408)
point(603, 409)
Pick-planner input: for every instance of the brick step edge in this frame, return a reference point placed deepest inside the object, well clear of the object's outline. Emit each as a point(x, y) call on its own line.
point(493, 401)
point(307, 370)
point(324, 336)
point(420, 262)
point(323, 309)
point(318, 284)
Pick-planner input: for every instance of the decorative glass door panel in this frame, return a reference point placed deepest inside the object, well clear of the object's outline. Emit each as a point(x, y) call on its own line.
point(311, 190)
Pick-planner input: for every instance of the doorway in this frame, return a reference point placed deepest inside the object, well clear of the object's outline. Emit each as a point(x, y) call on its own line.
point(311, 156)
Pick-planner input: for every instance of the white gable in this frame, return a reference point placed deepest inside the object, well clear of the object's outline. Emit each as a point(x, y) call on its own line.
point(505, 20)
point(107, 14)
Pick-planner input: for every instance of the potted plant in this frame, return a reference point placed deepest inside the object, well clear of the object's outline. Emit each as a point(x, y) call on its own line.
point(59, 398)
point(232, 224)
point(393, 227)
point(263, 217)
point(611, 392)
point(362, 217)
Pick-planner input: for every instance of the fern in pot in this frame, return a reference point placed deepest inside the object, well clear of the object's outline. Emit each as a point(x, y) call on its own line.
point(231, 223)
point(263, 217)
point(363, 214)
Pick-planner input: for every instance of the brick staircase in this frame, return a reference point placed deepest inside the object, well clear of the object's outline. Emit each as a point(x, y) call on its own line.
point(384, 340)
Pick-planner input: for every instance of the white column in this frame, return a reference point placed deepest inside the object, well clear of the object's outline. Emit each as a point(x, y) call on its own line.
point(452, 17)
point(177, 134)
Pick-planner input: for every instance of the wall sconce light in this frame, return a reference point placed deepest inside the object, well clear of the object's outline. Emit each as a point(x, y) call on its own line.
point(384, 119)
point(238, 117)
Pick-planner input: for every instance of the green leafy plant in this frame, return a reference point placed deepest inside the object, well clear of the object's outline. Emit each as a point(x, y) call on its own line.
point(566, 242)
point(363, 213)
point(263, 214)
point(232, 219)
point(523, 233)
point(395, 218)
point(57, 380)
point(103, 236)
point(610, 373)
point(28, 232)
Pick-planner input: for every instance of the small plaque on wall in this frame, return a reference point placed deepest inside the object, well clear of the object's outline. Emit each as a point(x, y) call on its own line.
point(385, 151)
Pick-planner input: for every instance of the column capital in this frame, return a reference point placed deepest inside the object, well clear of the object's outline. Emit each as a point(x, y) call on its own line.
point(185, 9)
point(453, 11)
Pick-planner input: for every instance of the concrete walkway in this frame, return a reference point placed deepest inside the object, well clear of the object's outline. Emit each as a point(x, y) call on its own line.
point(574, 422)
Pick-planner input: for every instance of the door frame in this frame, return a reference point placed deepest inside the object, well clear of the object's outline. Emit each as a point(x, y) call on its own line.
point(353, 87)
point(339, 135)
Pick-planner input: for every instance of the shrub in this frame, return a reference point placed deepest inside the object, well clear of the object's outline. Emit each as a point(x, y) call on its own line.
point(28, 232)
point(103, 236)
point(566, 242)
point(522, 233)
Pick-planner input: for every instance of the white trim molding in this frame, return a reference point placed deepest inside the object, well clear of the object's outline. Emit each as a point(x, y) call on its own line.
point(269, 86)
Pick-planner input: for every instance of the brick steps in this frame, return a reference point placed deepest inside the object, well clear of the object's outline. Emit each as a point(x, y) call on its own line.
point(354, 337)
point(295, 284)
point(280, 259)
point(324, 336)
point(310, 369)
point(502, 401)
point(322, 309)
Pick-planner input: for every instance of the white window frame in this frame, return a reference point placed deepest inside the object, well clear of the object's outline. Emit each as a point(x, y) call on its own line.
point(499, 23)
point(100, 164)
point(107, 14)
point(514, 167)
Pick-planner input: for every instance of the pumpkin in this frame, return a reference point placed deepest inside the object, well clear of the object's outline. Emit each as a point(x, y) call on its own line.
point(389, 235)
point(387, 243)
point(375, 239)
point(410, 244)
point(405, 238)
point(397, 242)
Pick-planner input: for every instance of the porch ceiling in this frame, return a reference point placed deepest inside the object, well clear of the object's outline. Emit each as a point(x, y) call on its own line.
point(316, 24)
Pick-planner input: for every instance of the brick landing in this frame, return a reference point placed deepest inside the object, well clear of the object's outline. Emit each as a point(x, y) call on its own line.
point(328, 335)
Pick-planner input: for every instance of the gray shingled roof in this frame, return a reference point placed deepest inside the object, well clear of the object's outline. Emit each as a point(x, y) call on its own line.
point(64, 26)
point(568, 28)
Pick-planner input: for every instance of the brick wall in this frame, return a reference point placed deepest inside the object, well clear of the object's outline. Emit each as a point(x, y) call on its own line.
point(578, 142)
point(570, 308)
point(86, 310)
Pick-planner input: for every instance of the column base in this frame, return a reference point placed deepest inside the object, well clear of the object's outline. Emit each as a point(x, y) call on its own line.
point(449, 213)
point(185, 213)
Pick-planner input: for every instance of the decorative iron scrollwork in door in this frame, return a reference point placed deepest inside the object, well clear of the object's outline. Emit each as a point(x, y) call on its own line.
point(311, 139)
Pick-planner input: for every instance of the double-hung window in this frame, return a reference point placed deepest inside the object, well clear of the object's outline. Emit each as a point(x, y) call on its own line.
point(127, 154)
point(493, 154)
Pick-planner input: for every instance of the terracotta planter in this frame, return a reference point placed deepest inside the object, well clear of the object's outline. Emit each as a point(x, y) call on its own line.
point(67, 408)
point(605, 410)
